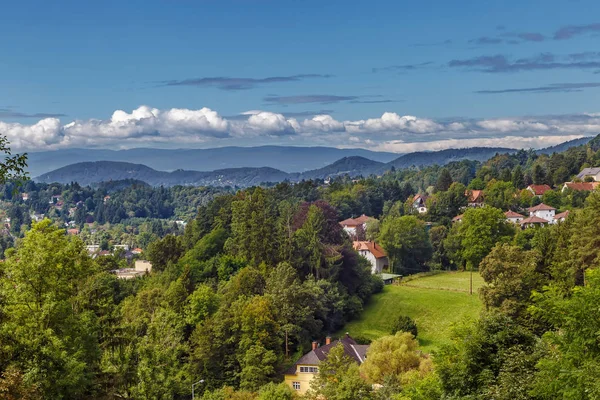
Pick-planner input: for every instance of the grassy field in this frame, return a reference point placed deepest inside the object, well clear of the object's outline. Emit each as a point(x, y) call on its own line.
point(434, 302)
point(458, 281)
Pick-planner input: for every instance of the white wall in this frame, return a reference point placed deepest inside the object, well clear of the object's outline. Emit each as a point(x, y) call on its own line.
point(548, 215)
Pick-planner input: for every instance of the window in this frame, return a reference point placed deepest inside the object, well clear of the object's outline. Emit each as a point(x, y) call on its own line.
point(312, 370)
point(296, 385)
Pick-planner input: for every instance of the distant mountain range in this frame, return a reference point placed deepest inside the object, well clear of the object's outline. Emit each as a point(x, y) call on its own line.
point(284, 158)
point(87, 173)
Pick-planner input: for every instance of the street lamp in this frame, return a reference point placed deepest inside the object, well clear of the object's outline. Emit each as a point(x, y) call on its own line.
point(194, 385)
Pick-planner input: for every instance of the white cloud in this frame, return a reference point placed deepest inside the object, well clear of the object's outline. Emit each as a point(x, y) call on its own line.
point(271, 123)
point(147, 126)
point(392, 122)
point(511, 142)
point(323, 123)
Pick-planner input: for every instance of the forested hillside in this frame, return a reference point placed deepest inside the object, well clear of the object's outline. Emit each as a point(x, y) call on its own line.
point(239, 294)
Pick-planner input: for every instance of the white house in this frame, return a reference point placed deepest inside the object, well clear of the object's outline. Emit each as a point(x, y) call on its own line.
point(419, 203)
point(513, 217)
point(351, 224)
point(374, 253)
point(594, 173)
point(542, 211)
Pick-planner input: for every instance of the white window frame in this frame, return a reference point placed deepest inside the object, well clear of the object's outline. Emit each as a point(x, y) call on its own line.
point(296, 385)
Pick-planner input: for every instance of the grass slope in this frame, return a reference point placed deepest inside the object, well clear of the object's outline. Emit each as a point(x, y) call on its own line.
point(435, 303)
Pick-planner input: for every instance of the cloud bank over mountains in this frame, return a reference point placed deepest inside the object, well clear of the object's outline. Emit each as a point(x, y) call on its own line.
point(147, 126)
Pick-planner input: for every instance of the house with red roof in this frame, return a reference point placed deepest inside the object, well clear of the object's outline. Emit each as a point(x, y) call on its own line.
point(475, 198)
point(351, 224)
point(538, 190)
point(561, 217)
point(513, 217)
point(543, 211)
point(580, 186)
point(533, 221)
point(374, 253)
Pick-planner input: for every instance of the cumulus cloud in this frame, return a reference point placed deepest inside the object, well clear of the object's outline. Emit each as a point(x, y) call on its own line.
point(271, 123)
point(145, 126)
point(392, 122)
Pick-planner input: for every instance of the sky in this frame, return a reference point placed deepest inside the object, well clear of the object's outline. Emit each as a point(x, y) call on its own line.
point(384, 75)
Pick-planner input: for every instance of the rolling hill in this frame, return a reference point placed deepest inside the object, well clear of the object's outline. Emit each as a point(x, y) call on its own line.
point(284, 158)
point(86, 173)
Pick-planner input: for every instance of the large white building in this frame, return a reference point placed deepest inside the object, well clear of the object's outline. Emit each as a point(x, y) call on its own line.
point(543, 211)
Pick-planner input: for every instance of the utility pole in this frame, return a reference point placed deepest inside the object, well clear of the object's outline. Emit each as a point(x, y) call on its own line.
point(193, 386)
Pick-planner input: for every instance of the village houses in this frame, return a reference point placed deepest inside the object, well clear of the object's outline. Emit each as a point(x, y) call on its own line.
point(299, 375)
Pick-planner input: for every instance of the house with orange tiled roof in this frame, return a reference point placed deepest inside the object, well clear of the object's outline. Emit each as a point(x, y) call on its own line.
point(561, 217)
point(374, 253)
point(475, 198)
point(538, 190)
point(513, 217)
point(351, 224)
point(533, 221)
point(542, 211)
point(458, 218)
point(580, 186)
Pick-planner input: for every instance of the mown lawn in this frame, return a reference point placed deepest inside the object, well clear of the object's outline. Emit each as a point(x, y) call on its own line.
point(435, 305)
point(449, 281)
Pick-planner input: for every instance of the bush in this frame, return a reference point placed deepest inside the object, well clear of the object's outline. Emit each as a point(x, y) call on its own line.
point(404, 323)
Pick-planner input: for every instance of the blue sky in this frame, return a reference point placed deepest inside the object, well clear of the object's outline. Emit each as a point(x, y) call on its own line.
point(386, 75)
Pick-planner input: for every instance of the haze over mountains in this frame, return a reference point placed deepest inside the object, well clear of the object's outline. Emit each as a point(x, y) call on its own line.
point(284, 158)
point(247, 166)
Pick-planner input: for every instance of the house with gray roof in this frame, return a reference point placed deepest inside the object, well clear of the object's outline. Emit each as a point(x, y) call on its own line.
point(299, 375)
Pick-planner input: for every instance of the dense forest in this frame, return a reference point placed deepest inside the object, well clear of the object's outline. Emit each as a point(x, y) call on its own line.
point(239, 294)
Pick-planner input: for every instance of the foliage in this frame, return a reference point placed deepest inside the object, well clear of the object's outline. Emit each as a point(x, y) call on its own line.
point(404, 323)
point(395, 356)
point(406, 243)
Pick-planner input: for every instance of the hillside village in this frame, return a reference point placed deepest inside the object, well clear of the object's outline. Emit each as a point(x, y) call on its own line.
point(279, 281)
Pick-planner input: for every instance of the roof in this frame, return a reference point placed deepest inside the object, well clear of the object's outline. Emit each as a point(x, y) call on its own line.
point(355, 221)
point(587, 186)
point(539, 190)
point(352, 349)
point(541, 207)
point(562, 215)
point(588, 171)
point(512, 214)
point(474, 195)
point(387, 277)
point(457, 218)
point(373, 247)
point(533, 220)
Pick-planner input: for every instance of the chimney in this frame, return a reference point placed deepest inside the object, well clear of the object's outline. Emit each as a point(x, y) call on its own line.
point(347, 335)
point(328, 340)
point(315, 345)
